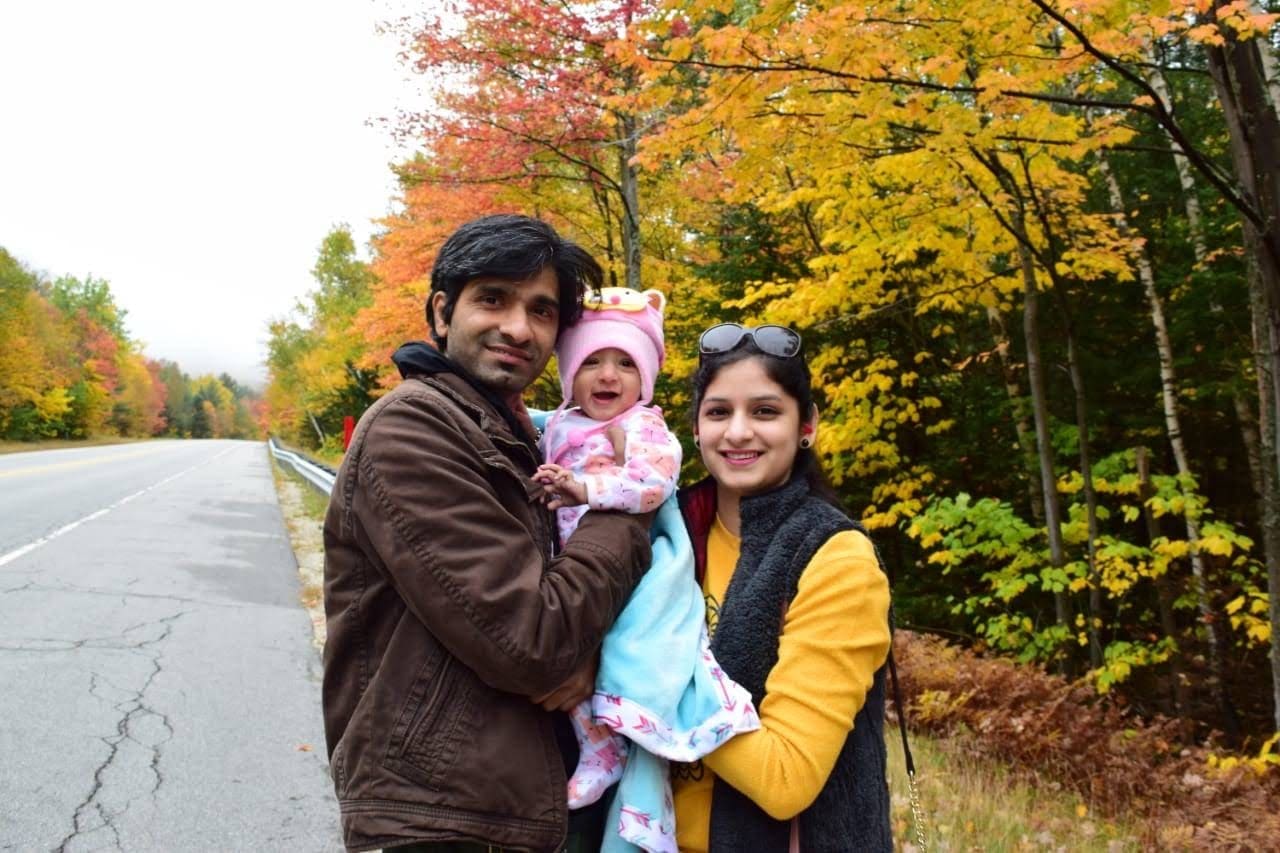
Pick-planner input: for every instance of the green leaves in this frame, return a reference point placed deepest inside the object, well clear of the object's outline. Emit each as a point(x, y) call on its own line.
point(1004, 563)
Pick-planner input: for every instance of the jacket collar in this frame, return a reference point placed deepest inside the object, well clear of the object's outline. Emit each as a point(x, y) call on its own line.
point(758, 512)
point(762, 512)
point(420, 359)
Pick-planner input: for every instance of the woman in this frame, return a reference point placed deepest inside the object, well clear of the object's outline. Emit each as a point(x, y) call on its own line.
point(798, 609)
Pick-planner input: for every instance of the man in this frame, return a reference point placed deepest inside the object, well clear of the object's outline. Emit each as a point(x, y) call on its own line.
point(455, 633)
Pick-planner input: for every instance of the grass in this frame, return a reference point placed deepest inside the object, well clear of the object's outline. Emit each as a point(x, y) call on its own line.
point(333, 460)
point(971, 804)
point(63, 443)
point(328, 454)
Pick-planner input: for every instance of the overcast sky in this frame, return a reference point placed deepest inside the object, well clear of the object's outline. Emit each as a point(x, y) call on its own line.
point(194, 155)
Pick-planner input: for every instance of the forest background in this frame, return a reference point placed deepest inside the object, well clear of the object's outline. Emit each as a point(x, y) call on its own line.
point(70, 370)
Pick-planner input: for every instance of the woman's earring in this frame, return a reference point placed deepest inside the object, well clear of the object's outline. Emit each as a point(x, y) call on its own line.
point(697, 442)
point(806, 442)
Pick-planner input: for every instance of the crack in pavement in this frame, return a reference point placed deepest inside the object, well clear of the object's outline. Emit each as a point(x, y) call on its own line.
point(135, 711)
point(49, 644)
point(125, 596)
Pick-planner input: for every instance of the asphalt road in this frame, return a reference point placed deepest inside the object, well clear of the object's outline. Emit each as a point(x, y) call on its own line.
point(158, 686)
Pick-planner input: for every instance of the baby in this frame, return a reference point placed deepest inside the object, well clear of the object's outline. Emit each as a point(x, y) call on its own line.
point(606, 448)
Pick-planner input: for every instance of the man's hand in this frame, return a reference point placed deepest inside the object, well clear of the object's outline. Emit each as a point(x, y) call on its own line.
point(559, 487)
point(576, 689)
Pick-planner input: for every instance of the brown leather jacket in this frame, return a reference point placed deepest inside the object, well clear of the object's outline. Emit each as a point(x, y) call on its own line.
point(446, 611)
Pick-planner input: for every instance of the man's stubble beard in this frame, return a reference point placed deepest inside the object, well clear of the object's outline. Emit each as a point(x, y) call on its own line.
point(503, 380)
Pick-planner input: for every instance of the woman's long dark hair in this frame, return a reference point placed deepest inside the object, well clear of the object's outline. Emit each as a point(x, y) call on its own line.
point(792, 374)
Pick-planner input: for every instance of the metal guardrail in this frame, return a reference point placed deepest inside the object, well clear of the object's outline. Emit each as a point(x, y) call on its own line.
point(318, 474)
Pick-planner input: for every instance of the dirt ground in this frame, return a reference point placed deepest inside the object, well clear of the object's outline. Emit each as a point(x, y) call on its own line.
point(303, 511)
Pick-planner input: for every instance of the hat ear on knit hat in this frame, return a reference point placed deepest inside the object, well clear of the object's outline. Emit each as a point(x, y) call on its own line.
point(621, 318)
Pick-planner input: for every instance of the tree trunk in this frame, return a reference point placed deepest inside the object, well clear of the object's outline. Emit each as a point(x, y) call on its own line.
point(1049, 264)
point(630, 203)
point(1249, 435)
point(1017, 227)
point(1191, 203)
point(1026, 441)
point(1173, 429)
point(1254, 130)
point(1040, 416)
point(1090, 501)
point(1268, 61)
point(1270, 504)
point(1164, 595)
point(316, 426)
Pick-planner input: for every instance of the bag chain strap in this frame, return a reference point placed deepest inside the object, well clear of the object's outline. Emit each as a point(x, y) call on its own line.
point(917, 812)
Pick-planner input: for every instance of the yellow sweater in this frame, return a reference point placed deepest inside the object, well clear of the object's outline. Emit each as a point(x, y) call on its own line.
point(834, 638)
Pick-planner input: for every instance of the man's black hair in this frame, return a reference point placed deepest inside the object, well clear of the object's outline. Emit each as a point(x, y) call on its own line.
point(514, 248)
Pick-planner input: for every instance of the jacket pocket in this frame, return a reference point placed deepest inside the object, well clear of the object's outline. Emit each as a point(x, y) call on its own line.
point(435, 724)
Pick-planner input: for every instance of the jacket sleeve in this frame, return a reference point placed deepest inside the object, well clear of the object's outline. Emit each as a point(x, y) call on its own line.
point(470, 570)
point(834, 637)
point(648, 474)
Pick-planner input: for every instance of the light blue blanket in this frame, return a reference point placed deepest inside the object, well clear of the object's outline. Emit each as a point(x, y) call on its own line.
point(659, 686)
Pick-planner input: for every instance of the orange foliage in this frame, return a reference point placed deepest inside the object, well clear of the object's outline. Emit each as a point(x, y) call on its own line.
point(100, 350)
point(154, 400)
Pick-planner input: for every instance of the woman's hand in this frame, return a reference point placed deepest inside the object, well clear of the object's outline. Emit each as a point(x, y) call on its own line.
point(559, 487)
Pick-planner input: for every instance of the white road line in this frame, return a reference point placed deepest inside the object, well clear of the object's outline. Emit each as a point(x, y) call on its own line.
point(67, 528)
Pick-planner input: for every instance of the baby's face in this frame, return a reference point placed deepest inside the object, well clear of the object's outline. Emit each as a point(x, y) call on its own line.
point(607, 384)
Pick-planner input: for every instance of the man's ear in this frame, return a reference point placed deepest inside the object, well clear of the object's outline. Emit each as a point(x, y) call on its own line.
point(439, 328)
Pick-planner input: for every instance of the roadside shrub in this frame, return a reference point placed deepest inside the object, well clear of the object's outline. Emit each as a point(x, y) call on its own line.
point(1064, 735)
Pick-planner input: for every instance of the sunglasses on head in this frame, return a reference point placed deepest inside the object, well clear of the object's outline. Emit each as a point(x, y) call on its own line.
point(777, 341)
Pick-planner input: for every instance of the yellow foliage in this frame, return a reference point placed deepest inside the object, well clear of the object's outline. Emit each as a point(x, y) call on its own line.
point(1217, 545)
point(53, 404)
point(1267, 759)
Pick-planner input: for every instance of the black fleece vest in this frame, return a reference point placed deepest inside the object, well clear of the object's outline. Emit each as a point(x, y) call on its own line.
point(781, 531)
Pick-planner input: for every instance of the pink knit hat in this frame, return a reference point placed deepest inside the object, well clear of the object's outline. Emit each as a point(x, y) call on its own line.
point(615, 317)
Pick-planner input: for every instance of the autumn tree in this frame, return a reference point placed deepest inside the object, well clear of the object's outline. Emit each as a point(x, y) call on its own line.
point(314, 362)
point(526, 104)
